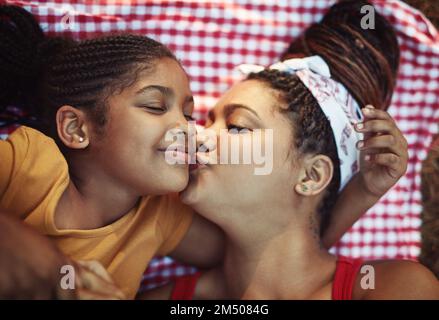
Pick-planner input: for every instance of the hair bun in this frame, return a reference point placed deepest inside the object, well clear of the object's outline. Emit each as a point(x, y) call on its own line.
point(365, 60)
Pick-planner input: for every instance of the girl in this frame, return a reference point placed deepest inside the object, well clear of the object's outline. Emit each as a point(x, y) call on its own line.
point(109, 195)
point(273, 223)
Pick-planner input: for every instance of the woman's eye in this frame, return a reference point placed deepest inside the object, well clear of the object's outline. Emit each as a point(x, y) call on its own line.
point(237, 129)
point(189, 117)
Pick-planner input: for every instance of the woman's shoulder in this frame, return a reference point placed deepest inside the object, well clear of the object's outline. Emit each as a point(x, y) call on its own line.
point(395, 279)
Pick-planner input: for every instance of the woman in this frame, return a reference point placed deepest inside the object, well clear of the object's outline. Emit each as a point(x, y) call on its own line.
point(273, 223)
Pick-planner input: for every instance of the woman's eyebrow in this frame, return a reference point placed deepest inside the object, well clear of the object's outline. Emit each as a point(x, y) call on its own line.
point(189, 99)
point(211, 115)
point(168, 92)
point(230, 108)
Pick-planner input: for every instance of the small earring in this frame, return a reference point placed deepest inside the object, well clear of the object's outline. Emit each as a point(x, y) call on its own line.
point(304, 188)
point(81, 139)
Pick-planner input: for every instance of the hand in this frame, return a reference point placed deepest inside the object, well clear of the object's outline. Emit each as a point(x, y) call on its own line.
point(30, 263)
point(383, 152)
point(94, 283)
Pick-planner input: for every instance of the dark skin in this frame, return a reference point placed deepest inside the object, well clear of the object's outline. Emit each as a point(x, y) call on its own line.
point(285, 260)
point(105, 181)
point(30, 266)
point(104, 166)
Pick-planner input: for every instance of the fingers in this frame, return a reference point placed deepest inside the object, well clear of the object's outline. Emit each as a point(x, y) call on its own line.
point(376, 126)
point(96, 268)
point(391, 161)
point(370, 113)
point(84, 294)
point(381, 134)
point(93, 279)
point(387, 142)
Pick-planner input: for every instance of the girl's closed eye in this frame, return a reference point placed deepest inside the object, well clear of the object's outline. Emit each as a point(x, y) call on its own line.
point(156, 109)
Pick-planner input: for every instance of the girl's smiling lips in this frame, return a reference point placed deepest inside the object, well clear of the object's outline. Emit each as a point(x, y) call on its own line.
point(176, 154)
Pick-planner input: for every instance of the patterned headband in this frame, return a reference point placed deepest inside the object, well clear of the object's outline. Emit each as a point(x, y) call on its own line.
point(335, 101)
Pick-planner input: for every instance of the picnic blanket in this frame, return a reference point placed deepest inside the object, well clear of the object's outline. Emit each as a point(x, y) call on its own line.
point(212, 37)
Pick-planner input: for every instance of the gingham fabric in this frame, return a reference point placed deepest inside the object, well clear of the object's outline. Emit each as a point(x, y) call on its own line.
point(211, 37)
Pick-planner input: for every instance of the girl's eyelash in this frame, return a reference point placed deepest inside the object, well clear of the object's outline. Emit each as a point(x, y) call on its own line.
point(189, 118)
point(163, 109)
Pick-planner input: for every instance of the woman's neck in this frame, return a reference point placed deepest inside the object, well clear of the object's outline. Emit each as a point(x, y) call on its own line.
point(282, 263)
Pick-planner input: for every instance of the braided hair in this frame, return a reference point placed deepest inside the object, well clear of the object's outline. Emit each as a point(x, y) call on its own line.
point(40, 74)
point(312, 130)
point(365, 61)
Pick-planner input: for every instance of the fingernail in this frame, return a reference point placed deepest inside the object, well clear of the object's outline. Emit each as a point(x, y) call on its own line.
point(360, 126)
point(367, 157)
point(369, 106)
point(360, 144)
point(367, 110)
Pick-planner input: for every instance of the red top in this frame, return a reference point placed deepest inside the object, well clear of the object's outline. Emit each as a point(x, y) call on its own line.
point(342, 286)
point(344, 278)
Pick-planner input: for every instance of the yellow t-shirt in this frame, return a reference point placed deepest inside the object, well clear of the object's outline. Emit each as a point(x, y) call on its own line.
point(34, 175)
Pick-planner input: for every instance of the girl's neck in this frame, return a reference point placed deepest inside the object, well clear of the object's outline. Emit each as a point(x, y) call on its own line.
point(93, 200)
point(287, 263)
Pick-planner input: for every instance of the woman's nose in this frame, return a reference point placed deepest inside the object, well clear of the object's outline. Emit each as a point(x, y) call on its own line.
point(206, 139)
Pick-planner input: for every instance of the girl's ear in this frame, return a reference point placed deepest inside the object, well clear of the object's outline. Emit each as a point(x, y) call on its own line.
point(315, 176)
point(72, 127)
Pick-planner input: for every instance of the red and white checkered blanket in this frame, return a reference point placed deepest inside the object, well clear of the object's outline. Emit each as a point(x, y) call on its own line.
point(212, 37)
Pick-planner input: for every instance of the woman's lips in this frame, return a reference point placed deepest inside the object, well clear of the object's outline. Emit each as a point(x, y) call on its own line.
point(202, 162)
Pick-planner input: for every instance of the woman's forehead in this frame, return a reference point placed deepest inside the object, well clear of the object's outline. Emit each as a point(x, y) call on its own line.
point(252, 93)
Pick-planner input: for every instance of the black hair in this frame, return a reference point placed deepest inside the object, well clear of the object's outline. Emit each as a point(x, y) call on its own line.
point(365, 61)
point(40, 73)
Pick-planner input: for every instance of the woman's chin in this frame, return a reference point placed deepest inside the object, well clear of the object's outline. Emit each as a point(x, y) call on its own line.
point(192, 195)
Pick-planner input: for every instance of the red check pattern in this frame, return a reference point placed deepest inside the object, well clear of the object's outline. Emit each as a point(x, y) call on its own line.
point(212, 37)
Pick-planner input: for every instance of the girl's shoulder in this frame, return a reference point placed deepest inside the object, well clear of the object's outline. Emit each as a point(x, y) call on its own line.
point(32, 166)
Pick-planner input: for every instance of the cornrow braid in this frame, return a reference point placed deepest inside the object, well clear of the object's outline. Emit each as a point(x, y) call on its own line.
point(63, 71)
point(312, 130)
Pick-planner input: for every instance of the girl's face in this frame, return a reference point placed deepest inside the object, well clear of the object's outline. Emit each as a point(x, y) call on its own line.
point(216, 190)
point(132, 148)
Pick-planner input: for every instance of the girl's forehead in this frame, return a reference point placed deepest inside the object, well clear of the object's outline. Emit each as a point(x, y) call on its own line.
point(166, 73)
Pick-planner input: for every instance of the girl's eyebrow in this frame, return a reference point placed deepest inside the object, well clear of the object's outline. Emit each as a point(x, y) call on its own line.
point(211, 115)
point(167, 92)
point(163, 90)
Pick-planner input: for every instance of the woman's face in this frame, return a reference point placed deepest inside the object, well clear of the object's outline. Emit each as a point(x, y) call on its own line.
point(216, 190)
point(132, 148)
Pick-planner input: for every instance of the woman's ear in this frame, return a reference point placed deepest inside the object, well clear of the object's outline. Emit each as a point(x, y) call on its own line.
point(315, 175)
point(72, 127)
